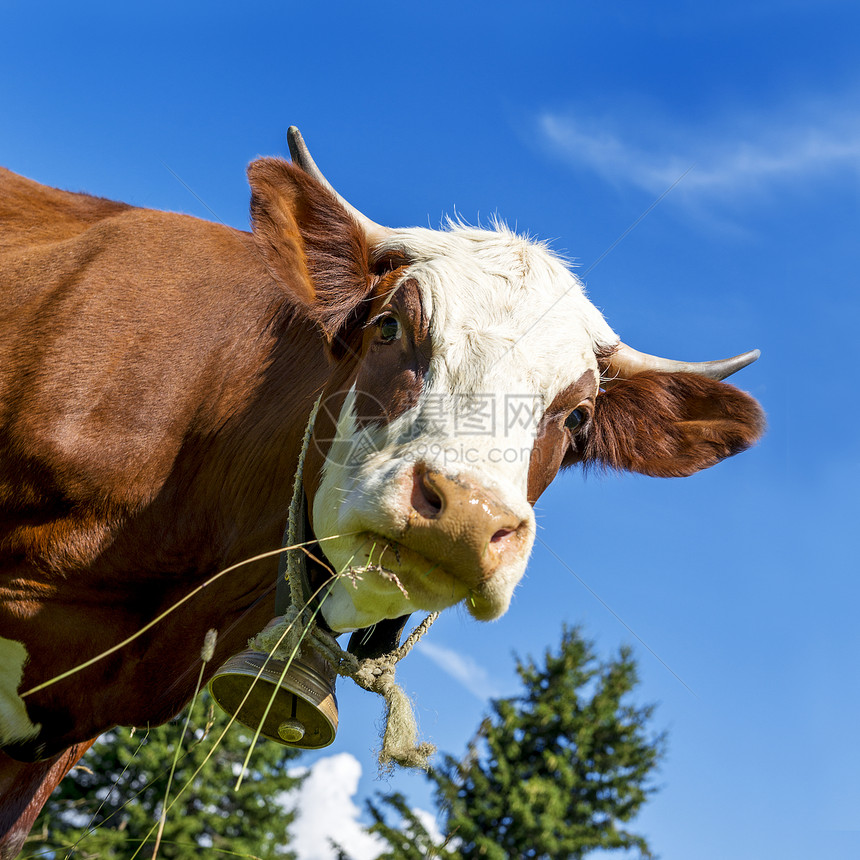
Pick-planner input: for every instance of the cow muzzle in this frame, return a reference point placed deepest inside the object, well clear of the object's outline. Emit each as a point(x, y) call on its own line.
point(421, 537)
point(462, 525)
point(459, 540)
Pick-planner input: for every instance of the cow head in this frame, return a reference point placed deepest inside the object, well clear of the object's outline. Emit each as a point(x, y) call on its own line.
point(468, 368)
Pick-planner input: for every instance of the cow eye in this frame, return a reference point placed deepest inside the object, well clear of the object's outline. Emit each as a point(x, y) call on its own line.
point(389, 327)
point(574, 420)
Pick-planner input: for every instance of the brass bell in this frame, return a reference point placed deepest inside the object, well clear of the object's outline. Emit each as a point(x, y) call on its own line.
point(303, 713)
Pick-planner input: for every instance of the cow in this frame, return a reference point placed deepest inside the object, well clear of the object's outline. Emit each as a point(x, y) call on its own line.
point(157, 374)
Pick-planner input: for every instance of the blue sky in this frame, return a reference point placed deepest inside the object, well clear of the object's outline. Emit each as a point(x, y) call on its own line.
point(737, 588)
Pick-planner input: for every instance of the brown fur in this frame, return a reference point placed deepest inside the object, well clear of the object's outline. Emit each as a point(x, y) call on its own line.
point(552, 441)
point(668, 425)
point(25, 788)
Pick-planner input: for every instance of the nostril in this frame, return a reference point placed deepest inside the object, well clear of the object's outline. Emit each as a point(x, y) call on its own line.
point(507, 538)
point(425, 499)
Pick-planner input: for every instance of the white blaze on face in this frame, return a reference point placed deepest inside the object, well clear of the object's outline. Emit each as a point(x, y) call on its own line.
point(510, 329)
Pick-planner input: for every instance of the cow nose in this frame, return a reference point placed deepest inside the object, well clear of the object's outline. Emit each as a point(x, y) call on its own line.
point(460, 525)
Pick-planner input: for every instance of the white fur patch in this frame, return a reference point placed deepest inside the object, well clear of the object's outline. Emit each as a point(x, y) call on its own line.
point(15, 725)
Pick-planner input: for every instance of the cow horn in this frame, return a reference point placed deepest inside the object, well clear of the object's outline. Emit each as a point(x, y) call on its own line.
point(626, 361)
point(300, 154)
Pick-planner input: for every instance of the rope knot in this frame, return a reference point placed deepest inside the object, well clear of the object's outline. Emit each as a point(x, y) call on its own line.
point(400, 740)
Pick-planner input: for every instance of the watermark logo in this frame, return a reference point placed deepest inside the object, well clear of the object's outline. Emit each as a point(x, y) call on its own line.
point(359, 439)
point(446, 431)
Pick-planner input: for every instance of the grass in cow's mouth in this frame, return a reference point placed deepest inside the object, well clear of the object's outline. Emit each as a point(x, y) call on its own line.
point(378, 568)
point(391, 576)
point(395, 547)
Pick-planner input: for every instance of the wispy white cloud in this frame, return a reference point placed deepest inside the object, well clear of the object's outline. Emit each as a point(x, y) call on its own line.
point(732, 157)
point(461, 668)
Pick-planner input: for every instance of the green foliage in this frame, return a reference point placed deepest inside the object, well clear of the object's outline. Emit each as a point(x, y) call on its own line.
point(113, 799)
point(555, 772)
point(410, 840)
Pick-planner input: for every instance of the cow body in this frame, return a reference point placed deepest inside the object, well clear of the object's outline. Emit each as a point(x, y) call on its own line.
point(132, 465)
point(156, 377)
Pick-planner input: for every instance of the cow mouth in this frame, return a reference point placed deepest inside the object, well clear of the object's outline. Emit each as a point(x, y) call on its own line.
point(424, 582)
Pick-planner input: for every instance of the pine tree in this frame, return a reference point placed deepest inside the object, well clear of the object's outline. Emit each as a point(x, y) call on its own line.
point(556, 772)
point(409, 839)
point(108, 804)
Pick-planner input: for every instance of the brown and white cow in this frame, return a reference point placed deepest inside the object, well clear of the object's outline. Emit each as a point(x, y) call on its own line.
point(156, 377)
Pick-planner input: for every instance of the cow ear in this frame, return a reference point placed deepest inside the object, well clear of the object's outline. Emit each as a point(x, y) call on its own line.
point(668, 425)
point(311, 245)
